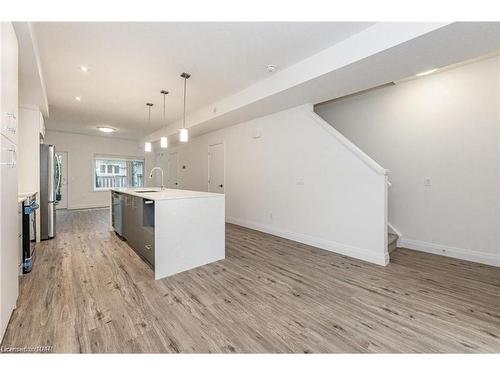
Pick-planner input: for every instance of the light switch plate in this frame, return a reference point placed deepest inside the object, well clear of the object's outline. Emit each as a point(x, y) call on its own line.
point(427, 181)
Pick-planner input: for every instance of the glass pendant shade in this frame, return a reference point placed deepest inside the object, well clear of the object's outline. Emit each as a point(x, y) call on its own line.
point(147, 146)
point(163, 142)
point(183, 136)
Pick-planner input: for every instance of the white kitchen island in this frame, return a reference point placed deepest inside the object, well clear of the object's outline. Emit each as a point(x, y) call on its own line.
point(174, 230)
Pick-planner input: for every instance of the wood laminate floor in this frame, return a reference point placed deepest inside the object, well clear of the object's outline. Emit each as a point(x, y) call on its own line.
point(89, 292)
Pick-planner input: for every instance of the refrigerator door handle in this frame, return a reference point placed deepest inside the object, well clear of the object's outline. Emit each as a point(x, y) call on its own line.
point(51, 177)
point(51, 220)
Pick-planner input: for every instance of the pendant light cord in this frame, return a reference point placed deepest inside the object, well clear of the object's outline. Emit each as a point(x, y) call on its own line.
point(164, 93)
point(149, 113)
point(184, 118)
point(185, 76)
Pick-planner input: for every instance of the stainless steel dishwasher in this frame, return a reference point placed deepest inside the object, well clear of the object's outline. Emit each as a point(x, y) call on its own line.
point(117, 217)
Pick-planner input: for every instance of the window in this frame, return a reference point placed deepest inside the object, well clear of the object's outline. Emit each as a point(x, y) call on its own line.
point(115, 172)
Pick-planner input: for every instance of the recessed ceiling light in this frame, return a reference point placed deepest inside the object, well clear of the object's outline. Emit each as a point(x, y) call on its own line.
point(425, 73)
point(106, 129)
point(271, 68)
point(84, 68)
point(78, 99)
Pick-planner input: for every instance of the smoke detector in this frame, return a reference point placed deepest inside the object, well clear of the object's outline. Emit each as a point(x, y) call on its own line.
point(271, 68)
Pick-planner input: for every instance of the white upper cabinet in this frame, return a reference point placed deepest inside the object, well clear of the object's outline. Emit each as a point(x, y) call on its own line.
point(8, 174)
point(9, 82)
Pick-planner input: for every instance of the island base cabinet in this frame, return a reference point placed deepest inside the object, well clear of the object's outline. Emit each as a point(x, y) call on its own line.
point(188, 233)
point(136, 236)
point(138, 228)
point(127, 214)
point(174, 230)
point(147, 250)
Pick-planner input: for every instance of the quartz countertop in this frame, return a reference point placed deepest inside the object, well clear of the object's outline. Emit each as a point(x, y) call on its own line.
point(165, 194)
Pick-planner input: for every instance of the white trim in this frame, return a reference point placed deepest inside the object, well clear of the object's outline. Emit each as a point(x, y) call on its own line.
point(118, 157)
point(348, 144)
point(351, 251)
point(394, 229)
point(115, 158)
point(450, 251)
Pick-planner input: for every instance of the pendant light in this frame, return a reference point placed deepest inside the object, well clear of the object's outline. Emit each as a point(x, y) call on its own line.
point(147, 145)
point(183, 136)
point(164, 140)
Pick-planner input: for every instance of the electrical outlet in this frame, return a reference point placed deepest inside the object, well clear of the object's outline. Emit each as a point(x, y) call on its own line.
point(427, 181)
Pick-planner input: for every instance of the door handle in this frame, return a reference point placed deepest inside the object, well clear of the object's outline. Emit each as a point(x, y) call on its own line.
point(176, 183)
point(221, 186)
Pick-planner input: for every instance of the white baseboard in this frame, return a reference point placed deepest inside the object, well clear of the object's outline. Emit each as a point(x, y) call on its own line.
point(354, 252)
point(450, 251)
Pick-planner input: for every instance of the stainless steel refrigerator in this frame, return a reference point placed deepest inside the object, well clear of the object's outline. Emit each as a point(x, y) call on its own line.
point(47, 192)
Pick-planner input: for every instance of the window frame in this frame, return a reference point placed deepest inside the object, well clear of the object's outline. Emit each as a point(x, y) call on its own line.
point(116, 158)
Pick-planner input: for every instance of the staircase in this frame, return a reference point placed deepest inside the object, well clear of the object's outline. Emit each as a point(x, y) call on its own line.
point(392, 241)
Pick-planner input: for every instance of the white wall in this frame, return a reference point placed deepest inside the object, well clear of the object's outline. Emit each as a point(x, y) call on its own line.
point(81, 150)
point(28, 155)
point(340, 206)
point(445, 126)
point(29, 149)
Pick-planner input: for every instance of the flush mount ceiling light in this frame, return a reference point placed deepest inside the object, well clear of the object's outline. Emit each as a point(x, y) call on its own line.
point(105, 129)
point(84, 68)
point(271, 68)
point(164, 140)
point(78, 99)
point(183, 136)
point(147, 145)
point(425, 73)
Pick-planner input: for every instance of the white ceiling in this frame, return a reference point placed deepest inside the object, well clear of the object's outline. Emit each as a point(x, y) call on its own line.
point(131, 62)
point(383, 53)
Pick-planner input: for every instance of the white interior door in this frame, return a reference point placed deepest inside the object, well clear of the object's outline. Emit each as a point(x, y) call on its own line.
point(62, 190)
point(160, 162)
point(172, 171)
point(216, 168)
